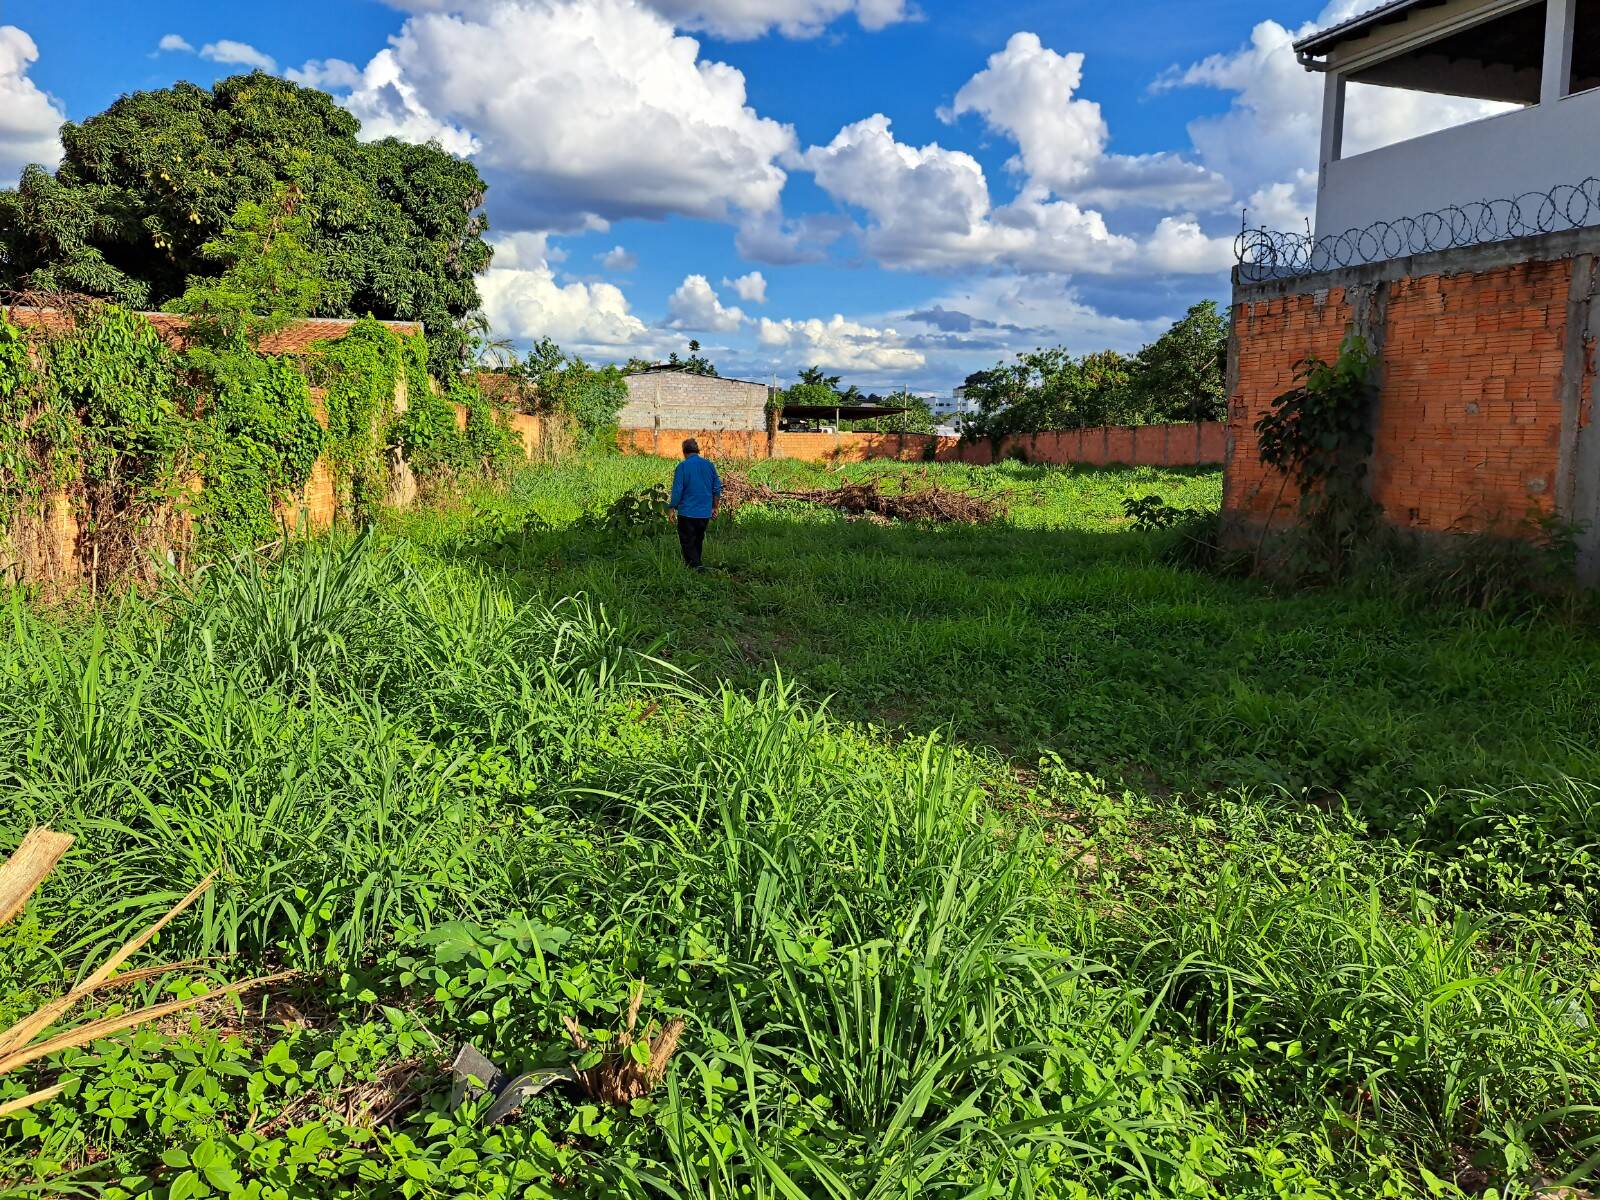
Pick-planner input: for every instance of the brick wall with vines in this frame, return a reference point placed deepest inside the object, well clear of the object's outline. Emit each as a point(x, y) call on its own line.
point(122, 450)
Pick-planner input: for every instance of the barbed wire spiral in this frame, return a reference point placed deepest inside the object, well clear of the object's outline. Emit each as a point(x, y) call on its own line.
point(1274, 254)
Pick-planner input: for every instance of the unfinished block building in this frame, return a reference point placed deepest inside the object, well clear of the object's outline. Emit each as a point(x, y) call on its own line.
point(1466, 257)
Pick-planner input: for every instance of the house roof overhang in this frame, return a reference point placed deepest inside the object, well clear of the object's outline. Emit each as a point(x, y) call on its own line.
point(1480, 49)
point(1324, 41)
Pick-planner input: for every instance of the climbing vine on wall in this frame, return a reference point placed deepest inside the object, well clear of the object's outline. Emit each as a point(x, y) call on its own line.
point(35, 443)
point(431, 437)
point(1319, 435)
point(358, 374)
point(426, 433)
point(260, 441)
point(97, 410)
point(491, 447)
point(162, 449)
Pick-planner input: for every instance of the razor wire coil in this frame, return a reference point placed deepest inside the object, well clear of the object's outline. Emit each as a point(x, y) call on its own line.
point(1264, 254)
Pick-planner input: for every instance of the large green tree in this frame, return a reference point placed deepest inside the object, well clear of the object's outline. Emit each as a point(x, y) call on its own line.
point(144, 186)
point(1050, 389)
point(1181, 375)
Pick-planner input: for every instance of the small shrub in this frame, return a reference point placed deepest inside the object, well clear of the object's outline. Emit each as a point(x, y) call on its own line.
point(1199, 530)
point(1319, 436)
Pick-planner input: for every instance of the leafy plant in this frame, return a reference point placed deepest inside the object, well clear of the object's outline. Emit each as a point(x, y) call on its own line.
point(358, 374)
point(587, 397)
point(1319, 436)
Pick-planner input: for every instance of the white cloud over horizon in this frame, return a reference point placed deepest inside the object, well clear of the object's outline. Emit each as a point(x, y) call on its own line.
point(1029, 93)
point(840, 344)
point(632, 121)
point(230, 53)
point(30, 119)
point(696, 307)
point(751, 288)
point(524, 302)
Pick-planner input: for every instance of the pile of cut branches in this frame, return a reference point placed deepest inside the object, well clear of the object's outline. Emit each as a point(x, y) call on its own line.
point(865, 501)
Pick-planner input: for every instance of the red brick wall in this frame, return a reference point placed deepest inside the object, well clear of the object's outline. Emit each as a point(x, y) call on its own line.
point(1469, 423)
point(715, 443)
point(1272, 336)
point(1469, 430)
point(1145, 445)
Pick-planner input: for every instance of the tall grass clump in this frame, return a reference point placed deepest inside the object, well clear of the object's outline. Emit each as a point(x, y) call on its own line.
point(495, 775)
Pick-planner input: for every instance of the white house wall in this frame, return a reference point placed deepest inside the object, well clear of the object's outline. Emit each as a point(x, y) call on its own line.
point(1531, 150)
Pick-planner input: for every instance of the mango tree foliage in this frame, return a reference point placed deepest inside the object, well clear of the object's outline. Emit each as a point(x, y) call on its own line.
point(144, 186)
point(1180, 376)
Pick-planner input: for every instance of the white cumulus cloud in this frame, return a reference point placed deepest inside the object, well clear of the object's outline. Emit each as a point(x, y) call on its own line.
point(29, 119)
point(695, 306)
point(619, 259)
point(929, 208)
point(578, 111)
point(175, 43)
point(794, 18)
point(329, 74)
point(751, 288)
point(1030, 93)
point(840, 344)
point(1179, 246)
point(230, 53)
point(524, 301)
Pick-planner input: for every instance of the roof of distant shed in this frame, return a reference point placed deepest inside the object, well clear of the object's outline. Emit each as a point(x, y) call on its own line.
point(667, 369)
point(844, 412)
point(295, 338)
point(1328, 39)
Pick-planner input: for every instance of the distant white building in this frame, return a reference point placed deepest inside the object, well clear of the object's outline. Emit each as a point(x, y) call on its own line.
point(956, 405)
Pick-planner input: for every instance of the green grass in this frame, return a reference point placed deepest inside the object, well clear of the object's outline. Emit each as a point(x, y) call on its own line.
point(1002, 862)
point(1062, 632)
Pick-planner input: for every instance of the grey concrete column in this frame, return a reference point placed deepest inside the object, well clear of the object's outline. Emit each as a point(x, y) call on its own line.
point(1560, 19)
point(1333, 94)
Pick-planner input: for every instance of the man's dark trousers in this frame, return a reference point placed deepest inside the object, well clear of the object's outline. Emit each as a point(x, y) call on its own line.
point(692, 537)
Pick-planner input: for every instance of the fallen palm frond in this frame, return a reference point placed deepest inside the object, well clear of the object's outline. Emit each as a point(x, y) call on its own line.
point(866, 500)
point(26, 869)
point(21, 874)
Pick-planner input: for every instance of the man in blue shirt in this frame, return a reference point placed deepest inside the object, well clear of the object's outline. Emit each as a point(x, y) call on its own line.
point(696, 495)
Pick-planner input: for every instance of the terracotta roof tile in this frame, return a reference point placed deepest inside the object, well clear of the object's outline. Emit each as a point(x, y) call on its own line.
point(296, 338)
point(504, 389)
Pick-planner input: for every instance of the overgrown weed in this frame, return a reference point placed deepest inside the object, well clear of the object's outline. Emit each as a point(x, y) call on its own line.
point(1343, 950)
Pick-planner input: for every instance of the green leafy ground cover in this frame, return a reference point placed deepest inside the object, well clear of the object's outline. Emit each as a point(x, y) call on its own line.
point(1204, 891)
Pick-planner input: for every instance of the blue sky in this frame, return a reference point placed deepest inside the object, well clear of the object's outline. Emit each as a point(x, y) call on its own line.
point(901, 192)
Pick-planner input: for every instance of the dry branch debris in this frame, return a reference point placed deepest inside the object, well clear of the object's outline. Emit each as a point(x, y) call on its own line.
point(19, 877)
point(618, 1078)
point(865, 500)
point(26, 869)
